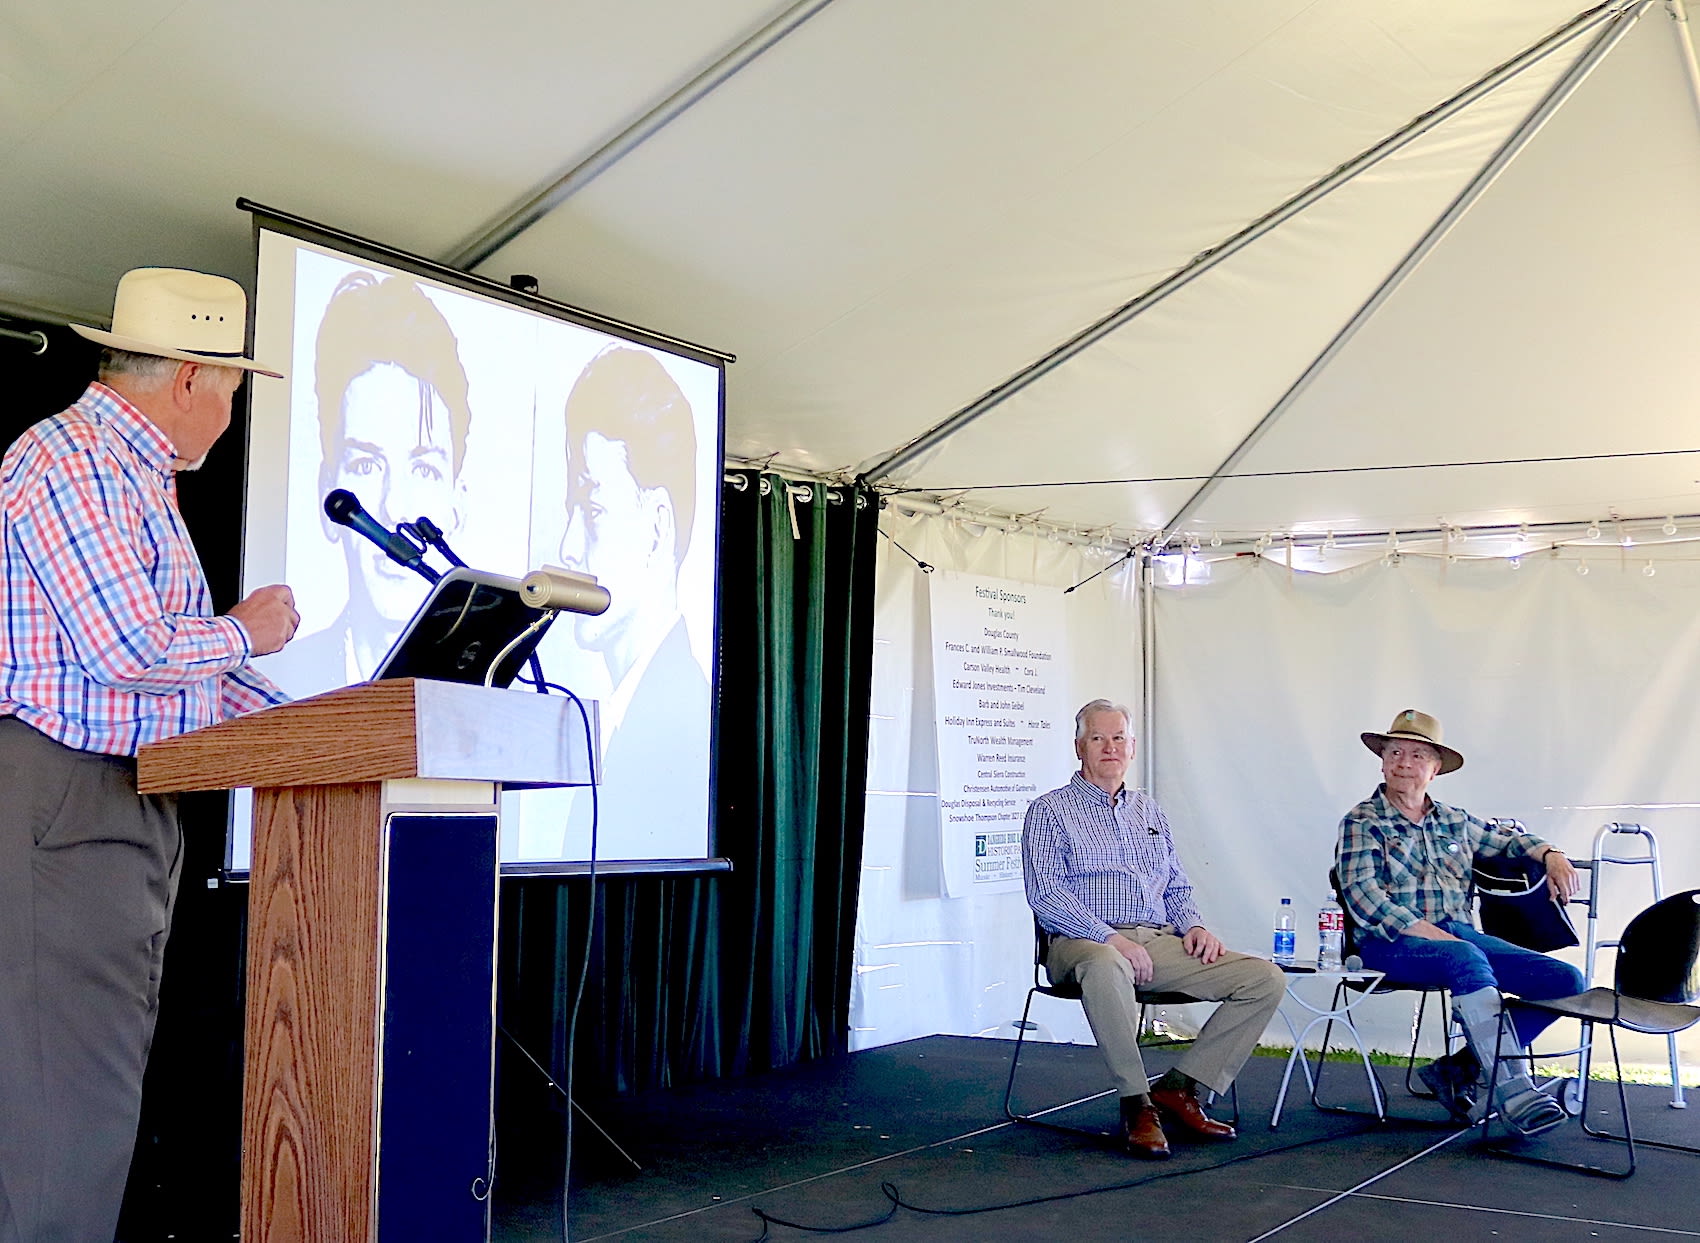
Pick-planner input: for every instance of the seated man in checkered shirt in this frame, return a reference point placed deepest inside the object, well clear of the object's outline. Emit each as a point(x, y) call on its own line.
point(1104, 880)
point(1404, 861)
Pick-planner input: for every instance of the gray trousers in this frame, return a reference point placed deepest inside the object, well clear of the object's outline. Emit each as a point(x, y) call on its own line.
point(1249, 989)
point(88, 874)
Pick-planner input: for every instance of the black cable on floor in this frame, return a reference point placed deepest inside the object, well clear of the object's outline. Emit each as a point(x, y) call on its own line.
point(892, 1193)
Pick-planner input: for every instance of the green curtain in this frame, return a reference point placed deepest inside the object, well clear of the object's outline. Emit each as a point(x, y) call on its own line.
point(696, 975)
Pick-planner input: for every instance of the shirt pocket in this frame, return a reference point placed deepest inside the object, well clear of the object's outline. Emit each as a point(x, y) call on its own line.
point(1098, 853)
point(1404, 857)
point(1452, 859)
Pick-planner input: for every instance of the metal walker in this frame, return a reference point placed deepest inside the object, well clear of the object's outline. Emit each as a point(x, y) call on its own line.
point(1649, 858)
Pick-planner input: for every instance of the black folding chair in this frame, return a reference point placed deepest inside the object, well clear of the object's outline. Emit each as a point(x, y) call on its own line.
point(1071, 992)
point(1657, 983)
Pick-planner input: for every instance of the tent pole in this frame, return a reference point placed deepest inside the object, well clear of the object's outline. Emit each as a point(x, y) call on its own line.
point(1207, 259)
point(1679, 18)
point(545, 200)
point(1532, 124)
point(1148, 672)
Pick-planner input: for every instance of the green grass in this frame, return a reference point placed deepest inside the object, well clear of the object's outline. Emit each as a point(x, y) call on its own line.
point(1598, 1069)
point(1377, 1056)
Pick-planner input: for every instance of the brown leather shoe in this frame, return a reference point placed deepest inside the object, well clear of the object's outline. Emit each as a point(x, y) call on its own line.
point(1181, 1108)
point(1142, 1134)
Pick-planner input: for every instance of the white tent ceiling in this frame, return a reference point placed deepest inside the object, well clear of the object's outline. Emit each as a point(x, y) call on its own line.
point(892, 209)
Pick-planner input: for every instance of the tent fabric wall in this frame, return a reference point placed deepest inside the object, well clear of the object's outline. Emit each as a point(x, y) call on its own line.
point(1570, 694)
point(926, 963)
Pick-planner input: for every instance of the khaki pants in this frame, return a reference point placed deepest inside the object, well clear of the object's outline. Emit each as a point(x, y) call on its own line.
point(1249, 989)
point(88, 872)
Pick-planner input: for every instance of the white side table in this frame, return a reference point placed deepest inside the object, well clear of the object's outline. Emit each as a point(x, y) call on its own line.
point(1297, 974)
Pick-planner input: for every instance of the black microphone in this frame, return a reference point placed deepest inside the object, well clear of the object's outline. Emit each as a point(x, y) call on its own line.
point(344, 508)
point(431, 535)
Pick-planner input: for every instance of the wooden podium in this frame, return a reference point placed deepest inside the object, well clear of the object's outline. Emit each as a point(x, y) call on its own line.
point(370, 1028)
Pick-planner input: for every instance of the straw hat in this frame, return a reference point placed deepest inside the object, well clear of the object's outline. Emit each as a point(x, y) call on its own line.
point(1418, 727)
point(173, 313)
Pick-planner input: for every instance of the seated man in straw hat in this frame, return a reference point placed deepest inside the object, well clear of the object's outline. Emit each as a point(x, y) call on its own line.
point(1404, 863)
point(110, 642)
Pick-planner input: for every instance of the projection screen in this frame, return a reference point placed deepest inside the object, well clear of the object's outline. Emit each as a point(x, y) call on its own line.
point(532, 438)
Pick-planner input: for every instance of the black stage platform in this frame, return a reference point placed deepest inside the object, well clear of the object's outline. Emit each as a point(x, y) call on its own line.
point(813, 1146)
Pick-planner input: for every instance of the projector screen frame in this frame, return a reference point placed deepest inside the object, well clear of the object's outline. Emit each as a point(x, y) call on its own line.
point(367, 250)
point(307, 230)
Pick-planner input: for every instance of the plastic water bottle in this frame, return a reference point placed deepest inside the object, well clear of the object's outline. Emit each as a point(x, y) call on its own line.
point(1284, 933)
point(1330, 935)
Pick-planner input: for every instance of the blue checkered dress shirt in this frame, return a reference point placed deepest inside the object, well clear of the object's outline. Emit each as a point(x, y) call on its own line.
point(1093, 862)
point(1393, 872)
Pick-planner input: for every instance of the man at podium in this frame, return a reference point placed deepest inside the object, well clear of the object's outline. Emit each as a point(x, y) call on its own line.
point(109, 642)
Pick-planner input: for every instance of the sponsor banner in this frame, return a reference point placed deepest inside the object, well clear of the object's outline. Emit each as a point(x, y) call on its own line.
point(1002, 725)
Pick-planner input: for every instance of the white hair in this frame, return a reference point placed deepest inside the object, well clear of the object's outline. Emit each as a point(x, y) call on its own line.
point(147, 369)
point(1099, 705)
point(151, 372)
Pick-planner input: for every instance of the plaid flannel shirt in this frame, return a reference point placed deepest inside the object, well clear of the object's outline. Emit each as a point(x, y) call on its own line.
point(1091, 862)
point(1393, 872)
point(109, 637)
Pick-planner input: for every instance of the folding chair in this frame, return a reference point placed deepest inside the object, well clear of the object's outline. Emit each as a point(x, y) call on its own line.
point(1071, 992)
point(1657, 983)
point(1611, 846)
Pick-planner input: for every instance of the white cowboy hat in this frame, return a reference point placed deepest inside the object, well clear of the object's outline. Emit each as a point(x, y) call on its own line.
point(173, 313)
point(1418, 727)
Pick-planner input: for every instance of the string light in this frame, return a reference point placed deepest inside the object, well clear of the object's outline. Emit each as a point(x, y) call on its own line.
point(1593, 530)
point(1582, 568)
point(1215, 539)
point(1523, 532)
point(1670, 525)
point(1194, 548)
point(1648, 569)
point(1516, 563)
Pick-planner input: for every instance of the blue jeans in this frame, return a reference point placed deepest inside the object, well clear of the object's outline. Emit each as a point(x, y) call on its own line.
point(1474, 961)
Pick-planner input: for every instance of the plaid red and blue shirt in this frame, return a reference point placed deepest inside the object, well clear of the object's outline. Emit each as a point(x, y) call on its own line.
point(109, 640)
point(1393, 872)
point(1092, 862)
